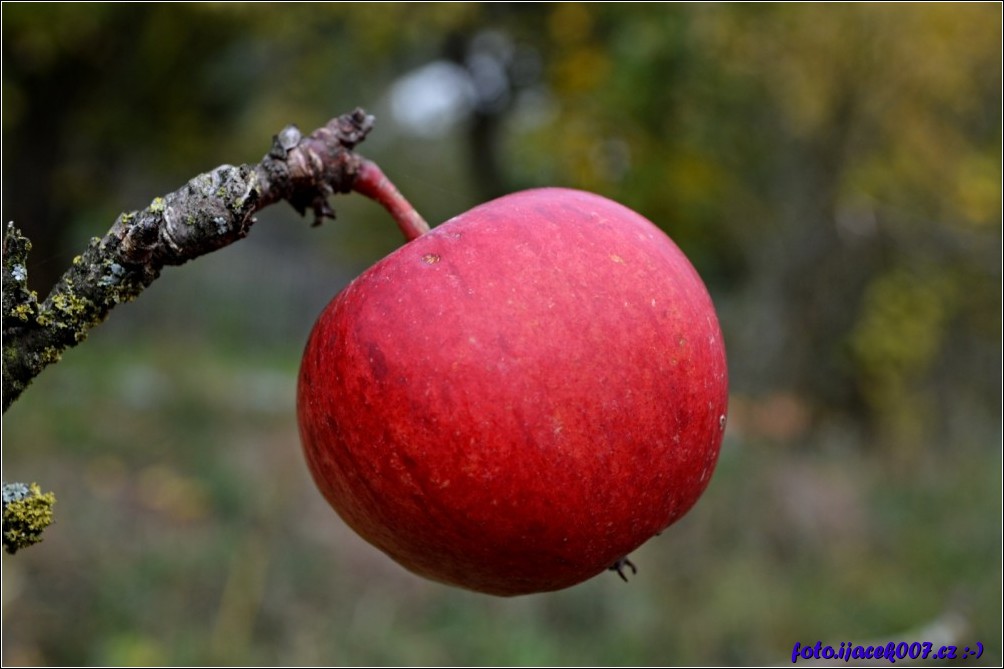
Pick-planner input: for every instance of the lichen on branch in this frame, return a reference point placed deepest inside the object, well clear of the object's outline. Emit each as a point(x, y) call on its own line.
point(26, 512)
point(211, 211)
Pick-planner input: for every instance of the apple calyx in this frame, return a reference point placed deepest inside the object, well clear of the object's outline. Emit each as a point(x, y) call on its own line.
point(619, 568)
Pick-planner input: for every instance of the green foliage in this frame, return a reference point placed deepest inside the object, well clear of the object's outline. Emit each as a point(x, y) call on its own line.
point(904, 322)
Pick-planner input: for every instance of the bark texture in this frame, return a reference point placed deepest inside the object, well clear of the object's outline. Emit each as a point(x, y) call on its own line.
point(212, 210)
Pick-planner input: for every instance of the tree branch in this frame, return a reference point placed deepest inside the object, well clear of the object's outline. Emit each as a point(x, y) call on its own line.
point(211, 211)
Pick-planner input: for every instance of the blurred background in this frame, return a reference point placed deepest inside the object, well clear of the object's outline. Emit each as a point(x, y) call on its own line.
point(833, 172)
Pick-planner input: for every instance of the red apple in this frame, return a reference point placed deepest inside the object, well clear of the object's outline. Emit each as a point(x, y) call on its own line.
point(514, 401)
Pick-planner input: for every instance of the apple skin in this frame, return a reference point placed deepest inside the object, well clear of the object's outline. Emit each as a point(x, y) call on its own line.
point(517, 399)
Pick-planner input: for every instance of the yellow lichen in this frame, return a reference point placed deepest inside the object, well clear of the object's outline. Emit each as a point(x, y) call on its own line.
point(22, 312)
point(69, 304)
point(25, 515)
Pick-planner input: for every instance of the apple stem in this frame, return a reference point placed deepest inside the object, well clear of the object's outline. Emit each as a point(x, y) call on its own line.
point(373, 183)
